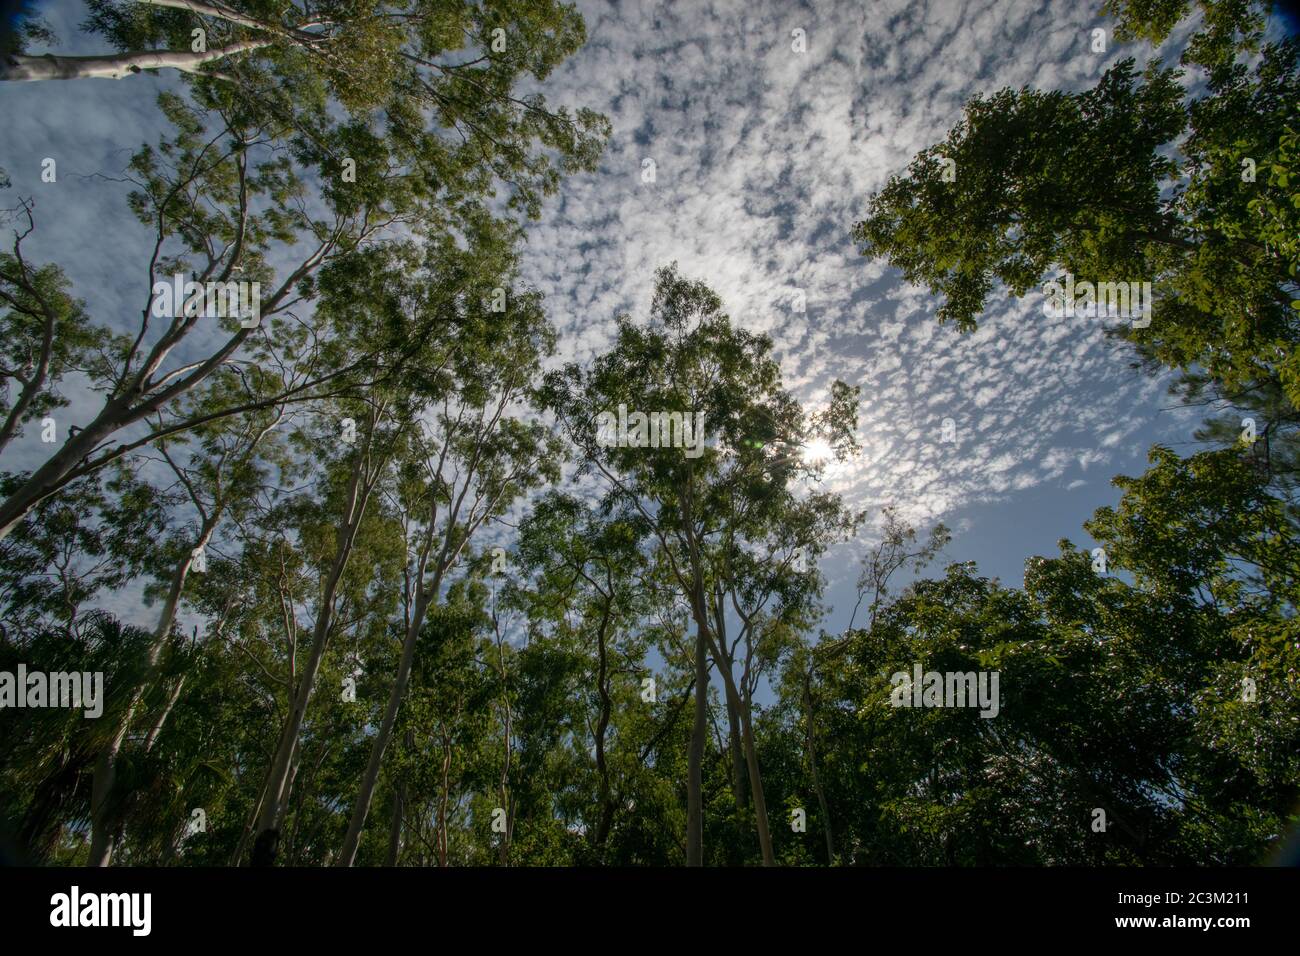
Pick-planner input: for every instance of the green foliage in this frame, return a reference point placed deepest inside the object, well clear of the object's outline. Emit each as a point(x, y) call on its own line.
point(1134, 180)
point(390, 541)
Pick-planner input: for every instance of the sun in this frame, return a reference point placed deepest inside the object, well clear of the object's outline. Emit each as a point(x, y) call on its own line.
point(817, 451)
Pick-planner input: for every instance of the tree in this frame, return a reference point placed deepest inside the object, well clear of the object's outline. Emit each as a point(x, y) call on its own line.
point(890, 555)
point(229, 185)
point(468, 462)
point(211, 480)
point(46, 334)
point(201, 194)
point(589, 574)
point(1122, 732)
point(700, 499)
point(1077, 182)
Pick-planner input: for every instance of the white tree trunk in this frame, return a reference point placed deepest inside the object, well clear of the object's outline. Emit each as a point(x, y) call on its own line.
point(18, 66)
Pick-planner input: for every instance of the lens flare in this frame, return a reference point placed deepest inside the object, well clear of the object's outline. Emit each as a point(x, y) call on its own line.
point(817, 451)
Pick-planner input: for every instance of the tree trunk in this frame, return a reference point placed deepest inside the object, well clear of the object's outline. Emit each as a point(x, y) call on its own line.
point(103, 815)
point(52, 474)
point(755, 779)
point(250, 826)
point(362, 807)
point(751, 761)
point(17, 66)
point(161, 720)
point(695, 760)
point(700, 608)
point(812, 765)
point(734, 746)
point(445, 797)
point(279, 788)
point(607, 807)
point(395, 827)
point(738, 771)
point(736, 703)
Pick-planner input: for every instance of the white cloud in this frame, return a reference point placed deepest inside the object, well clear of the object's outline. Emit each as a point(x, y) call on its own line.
point(764, 159)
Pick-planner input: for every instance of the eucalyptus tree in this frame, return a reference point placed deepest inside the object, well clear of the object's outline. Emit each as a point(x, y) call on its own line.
point(222, 199)
point(46, 333)
point(468, 456)
point(403, 117)
point(726, 443)
point(897, 549)
point(442, 745)
point(351, 439)
point(306, 599)
point(447, 286)
point(1147, 177)
point(771, 588)
point(76, 551)
point(440, 94)
point(363, 469)
point(588, 572)
point(231, 456)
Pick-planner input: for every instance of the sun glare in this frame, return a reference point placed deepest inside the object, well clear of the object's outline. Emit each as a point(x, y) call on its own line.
point(817, 451)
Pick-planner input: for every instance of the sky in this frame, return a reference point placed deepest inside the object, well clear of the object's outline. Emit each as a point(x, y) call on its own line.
point(768, 125)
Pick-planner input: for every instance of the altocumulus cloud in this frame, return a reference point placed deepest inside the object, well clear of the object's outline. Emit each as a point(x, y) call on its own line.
point(768, 124)
point(764, 156)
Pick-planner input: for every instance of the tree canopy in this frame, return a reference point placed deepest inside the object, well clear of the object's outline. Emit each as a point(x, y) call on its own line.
point(370, 576)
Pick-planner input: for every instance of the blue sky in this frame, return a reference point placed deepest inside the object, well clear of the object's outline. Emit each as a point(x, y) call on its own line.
point(764, 156)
